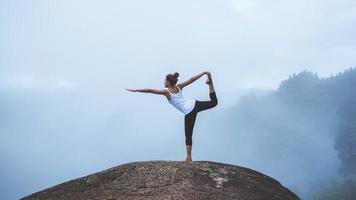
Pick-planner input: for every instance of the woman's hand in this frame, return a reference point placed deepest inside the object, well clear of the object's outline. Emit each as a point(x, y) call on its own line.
point(131, 90)
point(207, 72)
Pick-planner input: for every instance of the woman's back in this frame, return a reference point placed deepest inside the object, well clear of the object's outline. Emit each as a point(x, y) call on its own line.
point(180, 102)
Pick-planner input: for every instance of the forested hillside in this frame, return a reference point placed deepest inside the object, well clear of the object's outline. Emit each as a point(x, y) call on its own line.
point(307, 125)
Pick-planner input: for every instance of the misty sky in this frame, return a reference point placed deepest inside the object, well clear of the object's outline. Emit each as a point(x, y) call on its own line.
point(64, 66)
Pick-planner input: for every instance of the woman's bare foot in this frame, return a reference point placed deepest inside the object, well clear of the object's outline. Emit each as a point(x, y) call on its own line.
point(208, 80)
point(188, 160)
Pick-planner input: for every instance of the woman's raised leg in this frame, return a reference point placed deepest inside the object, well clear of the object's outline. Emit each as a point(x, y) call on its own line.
point(209, 81)
point(204, 105)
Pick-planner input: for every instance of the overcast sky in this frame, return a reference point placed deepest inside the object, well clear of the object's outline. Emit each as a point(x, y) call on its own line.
point(93, 50)
point(105, 45)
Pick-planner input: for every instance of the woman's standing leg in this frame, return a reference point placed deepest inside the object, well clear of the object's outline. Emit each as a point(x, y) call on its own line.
point(189, 121)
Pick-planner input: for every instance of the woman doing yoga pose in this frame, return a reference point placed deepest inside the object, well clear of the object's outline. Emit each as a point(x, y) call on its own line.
point(189, 107)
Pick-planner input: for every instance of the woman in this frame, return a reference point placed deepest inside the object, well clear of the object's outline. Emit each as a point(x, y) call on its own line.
point(189, 107)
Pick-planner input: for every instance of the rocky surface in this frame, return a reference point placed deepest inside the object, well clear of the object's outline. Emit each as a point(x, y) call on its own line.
point(170, 180)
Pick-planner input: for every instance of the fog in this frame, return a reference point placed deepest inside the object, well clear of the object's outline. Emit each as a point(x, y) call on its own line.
point(64, 67)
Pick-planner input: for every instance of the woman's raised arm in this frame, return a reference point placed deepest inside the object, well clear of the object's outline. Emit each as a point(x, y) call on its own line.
point(191, 80)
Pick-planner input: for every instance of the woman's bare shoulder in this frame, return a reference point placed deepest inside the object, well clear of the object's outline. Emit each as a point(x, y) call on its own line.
point(180, 86)
point(167, 93)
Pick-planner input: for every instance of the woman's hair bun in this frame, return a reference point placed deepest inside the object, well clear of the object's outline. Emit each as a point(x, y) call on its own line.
point(176, 74)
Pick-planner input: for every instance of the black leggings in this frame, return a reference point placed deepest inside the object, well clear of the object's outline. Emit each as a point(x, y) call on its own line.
point(189, 119)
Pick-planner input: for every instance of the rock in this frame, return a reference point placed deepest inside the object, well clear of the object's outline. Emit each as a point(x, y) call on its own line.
point(170, 180)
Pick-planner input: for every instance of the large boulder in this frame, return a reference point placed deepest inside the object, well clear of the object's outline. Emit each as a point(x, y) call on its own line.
point(170, 180)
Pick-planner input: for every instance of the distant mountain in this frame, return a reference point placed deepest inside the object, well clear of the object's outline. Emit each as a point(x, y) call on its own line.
point(330, 97)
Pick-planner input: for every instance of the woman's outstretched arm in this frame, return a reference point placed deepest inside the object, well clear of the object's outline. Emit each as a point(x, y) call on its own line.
point(149, 90)
point(191, 80)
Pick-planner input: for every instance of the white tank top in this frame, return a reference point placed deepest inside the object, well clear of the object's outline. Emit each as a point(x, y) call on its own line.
point(183, 104)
